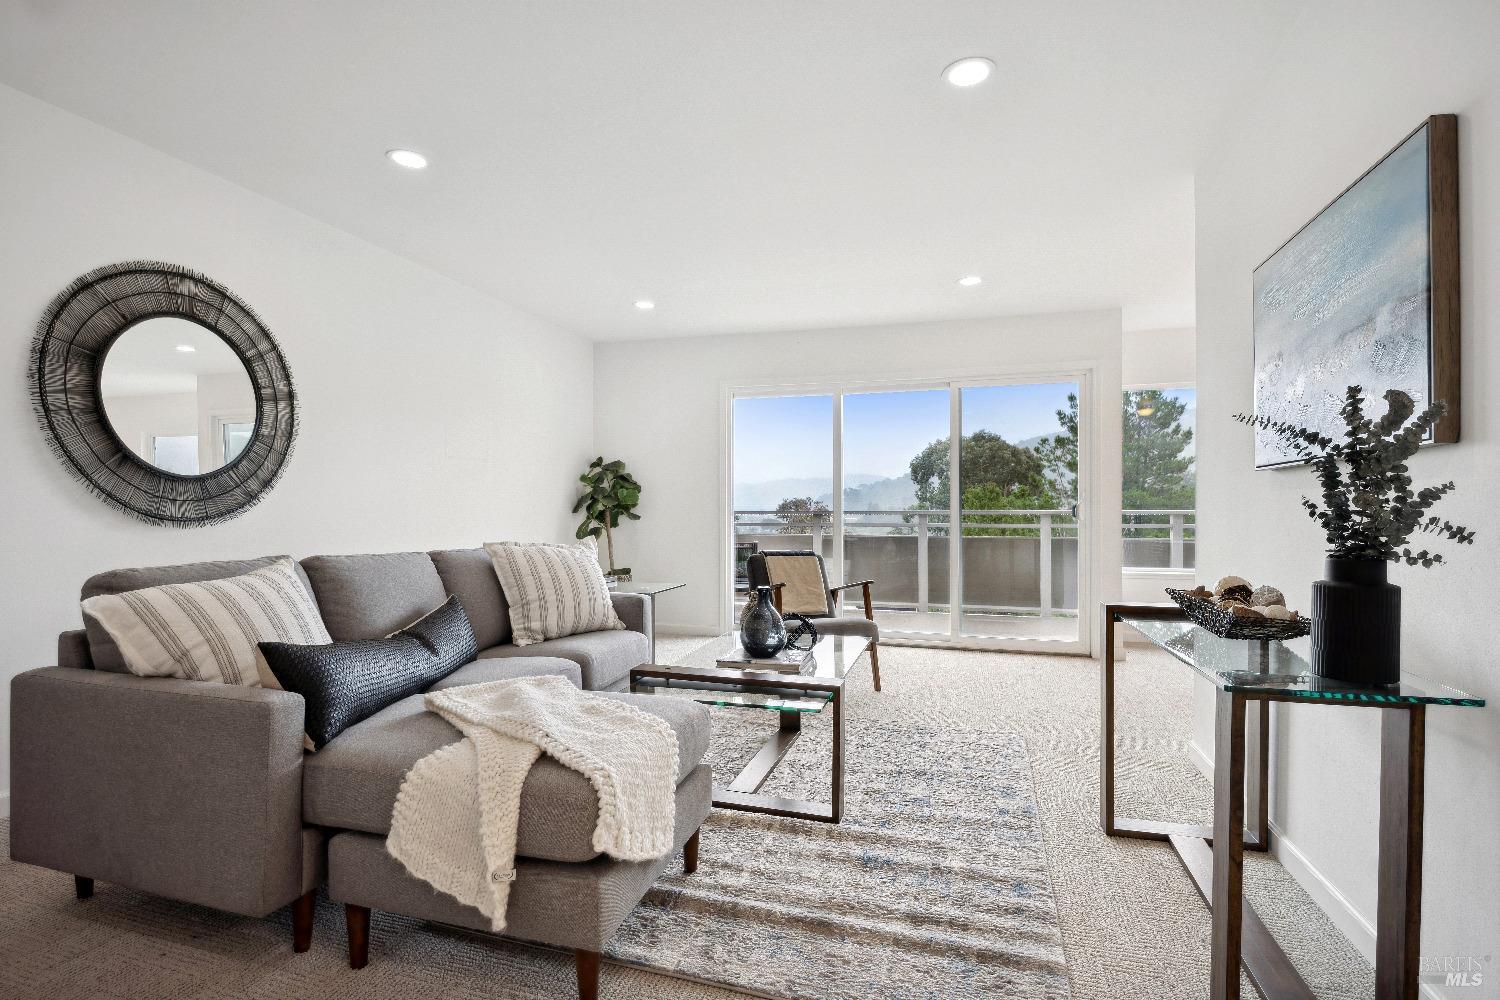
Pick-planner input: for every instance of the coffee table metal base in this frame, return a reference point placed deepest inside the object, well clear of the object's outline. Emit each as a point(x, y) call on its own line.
point(744, 791)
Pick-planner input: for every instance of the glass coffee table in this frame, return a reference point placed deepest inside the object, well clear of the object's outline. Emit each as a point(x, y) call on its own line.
point(819, 685)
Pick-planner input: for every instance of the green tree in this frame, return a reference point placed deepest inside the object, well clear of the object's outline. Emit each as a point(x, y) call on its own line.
point(800, 514)
point(1059, 454)
point(1158, 467)
point(988, 496)
point(985, 458)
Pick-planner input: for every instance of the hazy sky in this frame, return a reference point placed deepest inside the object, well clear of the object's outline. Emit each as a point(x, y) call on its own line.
point(792, 436)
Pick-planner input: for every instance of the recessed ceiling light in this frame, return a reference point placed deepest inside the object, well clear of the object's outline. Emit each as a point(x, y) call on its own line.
point(408, 158)
point(970, 280)
point(968, 71)
point(645, 305)
point(186, 348)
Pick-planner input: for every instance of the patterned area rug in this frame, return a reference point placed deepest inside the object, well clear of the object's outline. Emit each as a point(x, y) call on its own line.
point(937, 874)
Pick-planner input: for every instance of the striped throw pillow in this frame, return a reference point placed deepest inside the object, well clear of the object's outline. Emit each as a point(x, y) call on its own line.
point(209, 631)
point(553, 590)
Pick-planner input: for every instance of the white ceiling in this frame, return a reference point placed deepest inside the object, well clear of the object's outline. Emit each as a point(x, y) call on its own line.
point(145, 361)
point(749, 166)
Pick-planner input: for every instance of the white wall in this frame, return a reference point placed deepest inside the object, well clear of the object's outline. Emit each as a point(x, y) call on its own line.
point(1350, 82)
point(1160, 357)
point(431, 415)
point(660, 406)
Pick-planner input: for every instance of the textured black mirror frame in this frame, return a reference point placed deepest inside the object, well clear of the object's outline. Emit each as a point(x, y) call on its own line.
point(67, 354)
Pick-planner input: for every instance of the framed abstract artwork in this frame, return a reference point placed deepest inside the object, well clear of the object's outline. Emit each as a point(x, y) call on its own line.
point(1365, 294)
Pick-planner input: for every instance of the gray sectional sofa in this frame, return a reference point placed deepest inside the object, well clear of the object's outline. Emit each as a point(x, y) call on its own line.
point(202, 792)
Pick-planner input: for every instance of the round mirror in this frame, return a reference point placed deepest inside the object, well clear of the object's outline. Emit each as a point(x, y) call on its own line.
point(177, 396)
point(163, 393)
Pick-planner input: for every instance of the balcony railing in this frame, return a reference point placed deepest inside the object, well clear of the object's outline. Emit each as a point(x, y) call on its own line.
point(1014, 561)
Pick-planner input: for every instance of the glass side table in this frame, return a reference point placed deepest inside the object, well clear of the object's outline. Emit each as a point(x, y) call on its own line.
point(1247, 677)
point(650, 591)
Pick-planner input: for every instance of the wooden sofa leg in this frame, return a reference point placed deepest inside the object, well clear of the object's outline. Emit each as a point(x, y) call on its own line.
point(588, 974)
point(303, 908)
point(357, 919)
point(83, 888)
point(690, 853)
point(875, 664)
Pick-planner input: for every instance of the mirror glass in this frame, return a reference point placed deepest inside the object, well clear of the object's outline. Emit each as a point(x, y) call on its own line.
point(178, 396)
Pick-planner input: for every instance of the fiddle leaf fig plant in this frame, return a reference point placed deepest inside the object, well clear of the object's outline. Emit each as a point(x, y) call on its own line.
point(1370, 509)
point(609, 493)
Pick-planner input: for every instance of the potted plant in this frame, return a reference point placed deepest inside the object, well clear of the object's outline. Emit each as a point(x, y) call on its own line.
point(1369, 512)
point(609, 493)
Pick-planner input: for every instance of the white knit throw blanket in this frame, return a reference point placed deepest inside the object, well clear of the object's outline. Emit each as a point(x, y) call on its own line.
point(455, 821)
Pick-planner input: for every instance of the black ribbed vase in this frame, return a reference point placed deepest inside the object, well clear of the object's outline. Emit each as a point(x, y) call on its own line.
point(762, 632)
point(1356, 623)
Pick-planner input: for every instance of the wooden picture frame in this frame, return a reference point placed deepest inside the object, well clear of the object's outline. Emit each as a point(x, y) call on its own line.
point(1368, 248)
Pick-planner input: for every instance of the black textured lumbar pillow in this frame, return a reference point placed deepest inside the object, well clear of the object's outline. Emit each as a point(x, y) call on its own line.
point(347, 682)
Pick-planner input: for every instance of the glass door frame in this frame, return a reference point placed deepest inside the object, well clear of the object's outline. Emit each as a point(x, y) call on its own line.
point(1083, 374)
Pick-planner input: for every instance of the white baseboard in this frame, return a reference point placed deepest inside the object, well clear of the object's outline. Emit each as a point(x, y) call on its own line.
point(1358, 928)
point(684, 630)
point(1201, 760)
point(1353, 924)
point(5, 805)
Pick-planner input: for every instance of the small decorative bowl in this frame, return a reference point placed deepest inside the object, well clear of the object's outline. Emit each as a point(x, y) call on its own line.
point(1206, 614)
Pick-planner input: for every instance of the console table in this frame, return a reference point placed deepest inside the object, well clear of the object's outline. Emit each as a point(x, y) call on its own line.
point(1247, 677)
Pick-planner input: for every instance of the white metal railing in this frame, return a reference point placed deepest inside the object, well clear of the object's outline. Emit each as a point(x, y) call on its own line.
point(1154, 539)
point(1179, 528)
point(1043, 525)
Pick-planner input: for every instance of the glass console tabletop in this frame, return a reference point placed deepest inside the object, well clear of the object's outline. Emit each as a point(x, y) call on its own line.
point(1274, 669)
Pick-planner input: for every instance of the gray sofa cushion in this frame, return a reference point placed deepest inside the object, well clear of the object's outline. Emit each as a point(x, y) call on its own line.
point(102, 649)
point(351, 784)
point(371, 596)
point(564, 905)
point(481, 671)
point(469, 574)
point(604, 658)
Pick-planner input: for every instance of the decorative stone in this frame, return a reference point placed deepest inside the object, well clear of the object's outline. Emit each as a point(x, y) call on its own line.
point(1237, 594)
point(1241, 611)
point(1228, 582)
point(1278, 612)
point(1267, 596)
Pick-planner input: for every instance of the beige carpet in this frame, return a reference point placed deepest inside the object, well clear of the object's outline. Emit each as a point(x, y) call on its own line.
point(1132, 924)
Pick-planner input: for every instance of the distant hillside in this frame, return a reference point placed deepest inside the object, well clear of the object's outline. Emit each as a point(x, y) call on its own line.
point(765, 495)
point(895, 493)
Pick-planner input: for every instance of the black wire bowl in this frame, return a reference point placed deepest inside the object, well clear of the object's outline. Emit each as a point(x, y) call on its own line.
point(1204, 613)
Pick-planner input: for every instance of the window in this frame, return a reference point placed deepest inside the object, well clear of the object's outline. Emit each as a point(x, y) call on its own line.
point(1160, 486)
point(175, 453)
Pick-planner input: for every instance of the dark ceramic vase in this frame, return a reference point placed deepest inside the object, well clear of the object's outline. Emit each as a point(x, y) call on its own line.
point(1356, 623)
point(762, 632)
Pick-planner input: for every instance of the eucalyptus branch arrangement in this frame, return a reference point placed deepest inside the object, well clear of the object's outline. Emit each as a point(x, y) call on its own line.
point(609, 493)
point(1369, 508)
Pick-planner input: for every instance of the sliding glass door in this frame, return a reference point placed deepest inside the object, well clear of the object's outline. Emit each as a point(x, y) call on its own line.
point(1018, 474)
point(895, 519)
point(998, 561)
